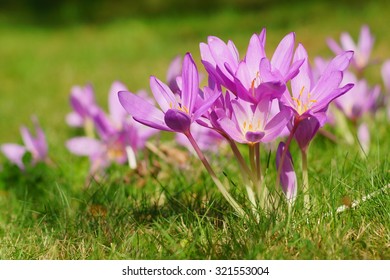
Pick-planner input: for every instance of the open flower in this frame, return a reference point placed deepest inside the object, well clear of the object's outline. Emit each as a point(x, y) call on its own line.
point(359, 100)
point(37, 146)
point(254, 124)
point(176, 113)
point(362, 50)
point(255, 76)
point(310, 97)
point(120, 137)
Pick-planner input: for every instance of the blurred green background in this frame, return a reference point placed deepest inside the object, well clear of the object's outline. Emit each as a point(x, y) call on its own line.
point(46, 47)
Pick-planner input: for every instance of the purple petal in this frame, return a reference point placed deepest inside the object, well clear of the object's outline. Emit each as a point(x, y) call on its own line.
point(332, 44)
point(364, 137)
point(305, 132)
point(386, 74)
point(85, 146)
point(288, 178)
point(366, 41)
point(276, 125)
point(177, 120)
point(254, 136)
point(231, 129)
point(174, 71)
point(163, 94)
point(117, 112)
point(142, 111)
point(282, 56)
point(190, 83)
point(254, 54)
point(206, 103)
point(73, 119)
point(14, 153)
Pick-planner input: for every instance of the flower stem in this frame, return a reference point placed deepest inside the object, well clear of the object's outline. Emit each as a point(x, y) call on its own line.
point(305, 179)
point(217, 182)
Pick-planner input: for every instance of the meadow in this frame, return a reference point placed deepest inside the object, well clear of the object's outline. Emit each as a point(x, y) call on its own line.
point(168, 210)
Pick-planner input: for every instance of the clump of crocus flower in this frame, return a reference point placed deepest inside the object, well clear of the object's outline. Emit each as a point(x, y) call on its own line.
point(35, 145)
point(362, 49)
point(118, 139)
point(238, 103)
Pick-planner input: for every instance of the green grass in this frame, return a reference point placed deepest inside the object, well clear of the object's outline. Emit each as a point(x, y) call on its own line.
point(170, 212)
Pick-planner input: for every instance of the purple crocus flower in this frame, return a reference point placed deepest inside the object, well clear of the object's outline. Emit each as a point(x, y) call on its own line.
point(288, 178)
point(310, 97)
point(253, 124)
point(120, 137)
point(82, 101)
point(362, 50)
point(255, 75)
point(176, 113)
point(37, 146)
point(359, 100)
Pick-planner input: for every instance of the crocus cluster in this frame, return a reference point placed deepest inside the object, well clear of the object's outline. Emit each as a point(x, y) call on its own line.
point(251, 100)
point(364, 98)
point(111, 137)
point(36, 146)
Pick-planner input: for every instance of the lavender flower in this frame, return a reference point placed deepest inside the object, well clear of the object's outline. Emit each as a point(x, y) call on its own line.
point(362, 50)
point(37, 146)
point(175, 115)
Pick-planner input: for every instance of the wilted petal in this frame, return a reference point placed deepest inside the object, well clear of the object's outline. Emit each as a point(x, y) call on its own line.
point(288, 178)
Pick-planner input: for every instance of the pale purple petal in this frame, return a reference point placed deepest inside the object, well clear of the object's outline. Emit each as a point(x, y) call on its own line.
point(190, 83)
point(74, 119)
point(85, 146)
point(231, 129)
point(163, 94)
point(334, 46)
point(254, 54)
point(206, 103)
point(282, 56)
point(347, 42)
point(142, 111)
point(117, 112)
point(14, 153)
point(364, 137)
point(386, 75)
point(366, 42)
point(174, 71)
point(288, 178)
point(276, 125)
